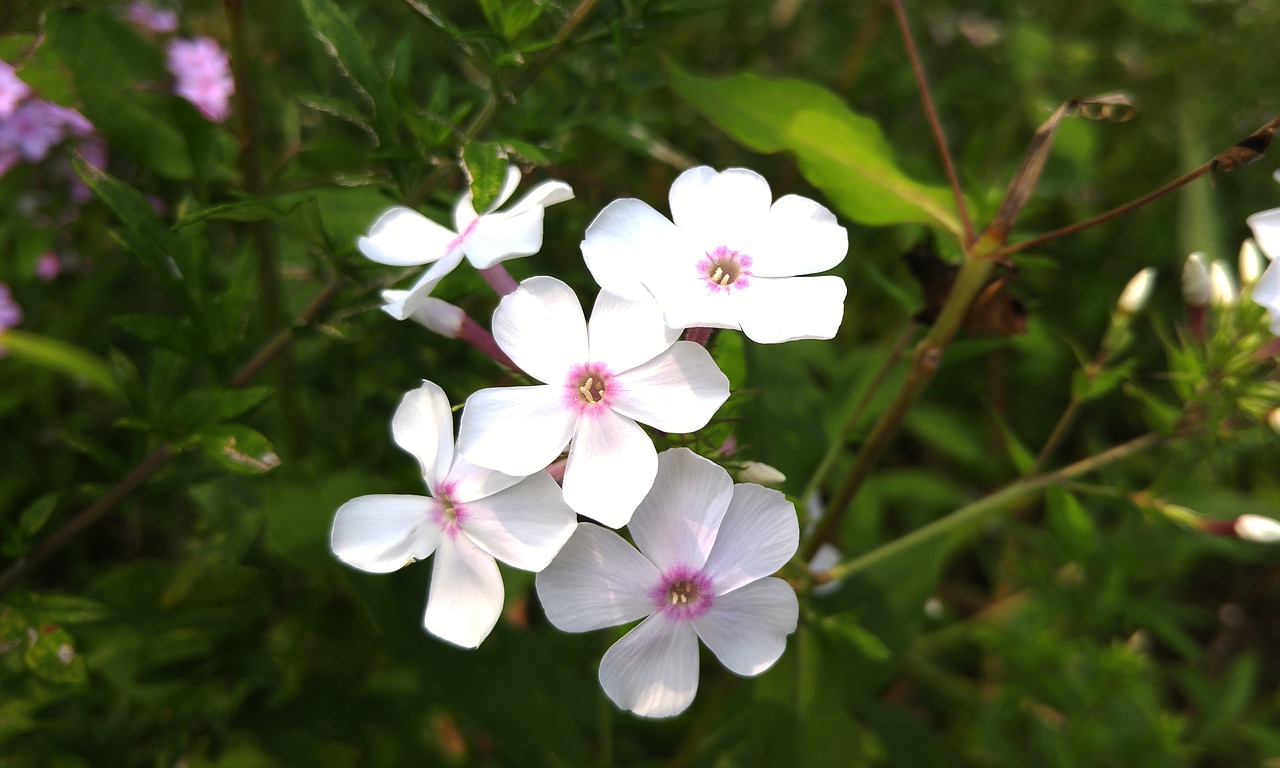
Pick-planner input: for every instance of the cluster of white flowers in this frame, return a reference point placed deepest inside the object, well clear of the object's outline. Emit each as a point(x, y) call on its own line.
point(705, 548)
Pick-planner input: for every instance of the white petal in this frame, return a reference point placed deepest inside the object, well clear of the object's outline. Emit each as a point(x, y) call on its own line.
point(598, 580)
point(501, 236)
point(540, 326)
point(611, 467)
point(721, 210)
point(402, 304)
point(747, 629)
point(436, 315)
point(465, 599)
point(759, 535)
point(624, 334)
point(790, 308)
point(687, 302)
point(628, 240)
point(1266, 231)
point(676, 524)
point(653, 669)
point(467, 481)
point(423, 426)
point(679, 391)
point(798, 237)
point(515, 430)
point(523, 526)
point(546, 193)
point(402, 237)
point(384, 532)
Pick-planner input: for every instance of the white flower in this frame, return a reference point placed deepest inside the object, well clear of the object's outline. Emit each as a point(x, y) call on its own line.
point(472, 516)
point(598, 381)
point(1197, 286)
point(403, 237)
point(706, 552)
point(1257, 528)
point(1137, 292)
point(1266, 231)
point(729, 260)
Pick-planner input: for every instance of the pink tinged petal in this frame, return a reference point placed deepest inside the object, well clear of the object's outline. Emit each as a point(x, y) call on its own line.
point(384, 532)
point(611, 467)
point(678, 391)
point(747, 629)
point(1266, 231)
point(524, 525)
point(598, 580)
point(540, 326)
point(799, 237)
point(423, 427)
point(790, 308)
point(626, 241)
point(676, 524)
point(624, 334)
point(497, 237)
point(515, 430)
point(402, 237)
point(722, 210)
point(759, 535)
point(465, 599)
point(653, 669)
point(402, 304)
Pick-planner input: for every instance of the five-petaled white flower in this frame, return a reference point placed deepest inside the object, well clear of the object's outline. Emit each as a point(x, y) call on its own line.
point(730, 258)
point(598, 381)
point(472, 516)
point(403, 237)
point(707, 548)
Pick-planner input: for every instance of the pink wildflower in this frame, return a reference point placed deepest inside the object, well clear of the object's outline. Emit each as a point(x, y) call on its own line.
point(12, 90)
point(48, 266)
point(147, 16)
point(203, 74)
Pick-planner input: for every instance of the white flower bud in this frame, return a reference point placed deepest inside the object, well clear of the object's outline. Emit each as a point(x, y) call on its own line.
point(1135, 295)
point(1257, 528)
point(826, 558)
point(1197, 288)
point(1223, 283)
point(1273, 420)
point(1251, 262)
point(757, 472)
point(440, 316)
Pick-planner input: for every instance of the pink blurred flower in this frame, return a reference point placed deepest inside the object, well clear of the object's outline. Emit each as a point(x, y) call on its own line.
point(146, 15)
point(31, 131)
point(12, 90)
point(48, 266)
point(203, 74)
point(10, 312)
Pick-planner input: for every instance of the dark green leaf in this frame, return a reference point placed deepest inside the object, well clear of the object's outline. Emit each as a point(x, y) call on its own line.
point(166, 332)
point(143, 232)
point(239, 448)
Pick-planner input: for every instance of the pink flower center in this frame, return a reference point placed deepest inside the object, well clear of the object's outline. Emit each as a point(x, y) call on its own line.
point(589, 387)
point(457, 241)
point(448, 514)
point(683, 593)
point(723, 270)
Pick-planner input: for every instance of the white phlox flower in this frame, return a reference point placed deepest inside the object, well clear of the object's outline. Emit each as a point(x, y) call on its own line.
point(1266, 233)
point(472, 516)
point(706, 549)
point(729, 260)
point(402, 237)
point(598, 380)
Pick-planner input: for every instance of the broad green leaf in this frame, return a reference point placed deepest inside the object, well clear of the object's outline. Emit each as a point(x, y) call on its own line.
point(60, 357)
point(486, 166)
point(239, 448)
point(839, 151)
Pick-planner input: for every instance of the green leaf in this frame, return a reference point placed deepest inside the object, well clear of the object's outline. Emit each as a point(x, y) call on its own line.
point(1070, 522)
point(1084, 387)
point(53, 656)
point(486, 166)
point(1021, 457)
point(845, 630)
point(37, 514)
point(840, 152)
point(204, 407)
point(143, 233)
point(43, 608)
point(60, 357)
point(165, 332)
point(239, 448)
point(339, 37)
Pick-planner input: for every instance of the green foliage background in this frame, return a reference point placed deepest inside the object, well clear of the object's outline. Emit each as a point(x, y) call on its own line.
point(211, 626)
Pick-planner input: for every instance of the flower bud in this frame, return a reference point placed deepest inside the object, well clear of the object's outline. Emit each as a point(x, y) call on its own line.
point(1135, 295)
point(1197, 287)
point(1224, 285)
point(757, 472)
point(1257, 528)
point(440, 316)
point(1251, 262)
point(1273, 420)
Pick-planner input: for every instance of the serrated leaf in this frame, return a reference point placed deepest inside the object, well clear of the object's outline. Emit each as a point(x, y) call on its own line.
point(837, 150)
point(486, 167)
point(60, 357)
point(239, 448)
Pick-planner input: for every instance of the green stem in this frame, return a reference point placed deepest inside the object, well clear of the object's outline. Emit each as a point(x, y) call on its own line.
point(924, 365)
point(970, 515)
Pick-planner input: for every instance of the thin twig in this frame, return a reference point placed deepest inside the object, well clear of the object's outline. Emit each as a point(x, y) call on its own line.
point(935, 126)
